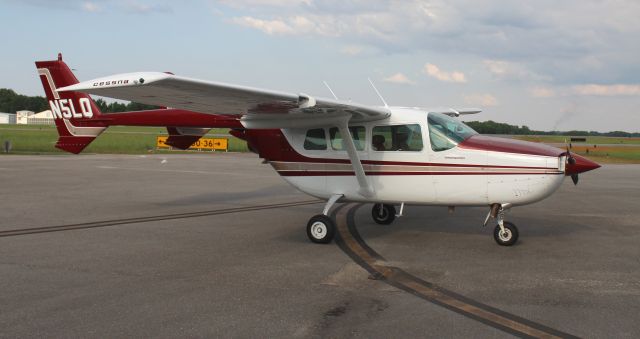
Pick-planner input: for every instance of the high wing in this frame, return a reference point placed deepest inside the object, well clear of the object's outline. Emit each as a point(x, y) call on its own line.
point(259, 108)
point(457, 112)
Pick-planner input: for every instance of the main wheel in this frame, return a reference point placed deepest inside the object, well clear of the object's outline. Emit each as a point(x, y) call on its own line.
point(383, 214)
point(508, 237)
point(321, 229)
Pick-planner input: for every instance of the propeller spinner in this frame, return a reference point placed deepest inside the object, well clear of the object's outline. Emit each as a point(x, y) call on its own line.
point(577, 164)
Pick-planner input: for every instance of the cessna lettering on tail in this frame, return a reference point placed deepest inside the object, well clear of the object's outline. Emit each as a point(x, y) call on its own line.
point(65, 109)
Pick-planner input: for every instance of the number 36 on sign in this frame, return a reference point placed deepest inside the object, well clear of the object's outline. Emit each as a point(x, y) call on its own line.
point(203, 143)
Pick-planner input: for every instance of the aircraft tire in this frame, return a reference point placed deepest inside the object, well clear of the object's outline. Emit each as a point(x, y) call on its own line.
point(321, 229)
point(386, 217)
point(509, 237)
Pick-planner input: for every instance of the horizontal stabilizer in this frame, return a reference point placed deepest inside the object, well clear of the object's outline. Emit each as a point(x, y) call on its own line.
point(73, 144)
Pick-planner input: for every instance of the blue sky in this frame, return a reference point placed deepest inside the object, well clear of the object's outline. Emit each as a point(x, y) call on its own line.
point(569, 64)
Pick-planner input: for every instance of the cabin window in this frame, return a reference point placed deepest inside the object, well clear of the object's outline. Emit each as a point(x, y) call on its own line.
point(397, 138)
point(315, 140)
point(446, 132)
point(358, 133)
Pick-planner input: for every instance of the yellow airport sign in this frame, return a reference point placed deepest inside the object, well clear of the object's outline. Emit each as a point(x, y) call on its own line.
point(215, 144)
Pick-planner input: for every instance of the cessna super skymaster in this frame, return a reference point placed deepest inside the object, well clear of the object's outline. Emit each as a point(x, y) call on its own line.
point(334, 150)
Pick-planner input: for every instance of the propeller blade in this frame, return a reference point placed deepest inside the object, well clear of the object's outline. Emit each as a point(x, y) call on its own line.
point(570, 159)
point(574, 178)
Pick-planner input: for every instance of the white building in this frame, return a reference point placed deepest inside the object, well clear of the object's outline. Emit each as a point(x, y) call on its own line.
point(31, 118)
point(42, 118)
point(7, 118)
point(21, 117)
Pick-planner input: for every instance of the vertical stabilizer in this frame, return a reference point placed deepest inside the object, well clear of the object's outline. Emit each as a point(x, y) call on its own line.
point(76, 115)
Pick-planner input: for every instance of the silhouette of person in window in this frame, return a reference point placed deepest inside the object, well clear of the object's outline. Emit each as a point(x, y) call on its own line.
point(401, 145)
point(378, 142)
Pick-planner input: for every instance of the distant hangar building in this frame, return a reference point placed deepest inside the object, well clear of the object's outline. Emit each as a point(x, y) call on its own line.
point(7, 118)
point(31, 118)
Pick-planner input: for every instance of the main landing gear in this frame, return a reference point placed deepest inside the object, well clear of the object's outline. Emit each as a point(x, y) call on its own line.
point(505, 233)
point(383, 214)
point(321, 228)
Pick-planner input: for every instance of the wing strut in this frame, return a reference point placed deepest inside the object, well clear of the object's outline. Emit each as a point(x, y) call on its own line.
point(365, 189)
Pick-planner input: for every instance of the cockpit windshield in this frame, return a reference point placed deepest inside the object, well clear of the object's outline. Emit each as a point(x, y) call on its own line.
point(446, 132)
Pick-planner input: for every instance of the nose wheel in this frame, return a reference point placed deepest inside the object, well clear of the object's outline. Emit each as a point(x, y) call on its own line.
point(506, 235)
point(383, 214)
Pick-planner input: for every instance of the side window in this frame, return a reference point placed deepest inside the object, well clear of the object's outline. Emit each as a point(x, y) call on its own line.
point(315, 140)
point(358, 133)
point(397, 138)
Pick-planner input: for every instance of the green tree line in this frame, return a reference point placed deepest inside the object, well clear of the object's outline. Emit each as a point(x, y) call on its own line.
point(11, 102)
point(492, 127)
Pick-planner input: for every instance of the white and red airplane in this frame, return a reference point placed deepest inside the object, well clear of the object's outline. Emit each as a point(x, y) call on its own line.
point(334, 150)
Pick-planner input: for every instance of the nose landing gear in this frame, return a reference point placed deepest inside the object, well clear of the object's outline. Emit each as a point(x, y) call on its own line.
point(505, 233)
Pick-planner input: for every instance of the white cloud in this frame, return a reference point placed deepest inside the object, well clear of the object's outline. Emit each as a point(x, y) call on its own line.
point(352, 50)
point(264, 3)
point(497, 67)
point(606, 90)
point(435, 72)
point(511, 70)
point(294, 25)
point(399, 78)
point(542, 92)
point(482, 100)
point(267, 26)
point(137, 7)
point(90, 7)
point(586, 90)
point(518, 41)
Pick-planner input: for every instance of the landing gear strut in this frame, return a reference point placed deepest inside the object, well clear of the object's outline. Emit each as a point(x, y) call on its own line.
point(383, 214)
point(505, 233)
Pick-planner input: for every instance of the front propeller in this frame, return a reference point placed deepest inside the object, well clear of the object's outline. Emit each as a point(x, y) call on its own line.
point(572, 161)
point(576, 164)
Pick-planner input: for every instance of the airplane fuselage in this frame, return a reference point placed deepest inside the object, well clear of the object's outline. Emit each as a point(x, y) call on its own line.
point(478, 171)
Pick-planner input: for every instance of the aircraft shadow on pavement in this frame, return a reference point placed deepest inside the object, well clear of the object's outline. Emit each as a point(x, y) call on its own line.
point(421, 219)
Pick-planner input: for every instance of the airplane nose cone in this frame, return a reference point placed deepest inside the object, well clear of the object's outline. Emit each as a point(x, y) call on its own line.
point(581, 164)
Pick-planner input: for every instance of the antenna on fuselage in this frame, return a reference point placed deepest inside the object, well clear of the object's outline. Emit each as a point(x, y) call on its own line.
point(378, 93)
point(330, 90)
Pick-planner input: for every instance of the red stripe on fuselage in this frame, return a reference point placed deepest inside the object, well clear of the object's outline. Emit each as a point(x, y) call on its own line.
point(346, 173)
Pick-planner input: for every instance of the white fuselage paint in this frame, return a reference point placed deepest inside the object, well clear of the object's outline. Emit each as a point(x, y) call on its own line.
point(459, 177)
